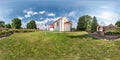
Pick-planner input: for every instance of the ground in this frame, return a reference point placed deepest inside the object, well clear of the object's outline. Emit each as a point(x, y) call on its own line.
point(57, 46)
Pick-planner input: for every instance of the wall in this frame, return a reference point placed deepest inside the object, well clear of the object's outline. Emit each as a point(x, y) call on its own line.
point(68, 27)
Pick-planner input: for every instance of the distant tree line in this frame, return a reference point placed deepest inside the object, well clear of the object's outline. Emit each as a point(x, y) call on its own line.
point(16, 24)
point(87, 23)
point(117, 23)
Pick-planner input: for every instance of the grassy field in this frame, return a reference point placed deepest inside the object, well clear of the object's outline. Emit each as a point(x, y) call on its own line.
point(57, 46)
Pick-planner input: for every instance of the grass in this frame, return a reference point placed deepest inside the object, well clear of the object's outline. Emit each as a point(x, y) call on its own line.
point(57, 46)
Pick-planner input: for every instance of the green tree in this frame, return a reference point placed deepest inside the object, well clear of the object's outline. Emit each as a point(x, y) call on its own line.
point(117, 23)
point(16, 23)
point(31, 25)
point(2, 24)
point(94, 24)
point(84, 23)
point(8, 26)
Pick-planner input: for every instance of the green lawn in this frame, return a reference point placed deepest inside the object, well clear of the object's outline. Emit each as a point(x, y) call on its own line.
point(57, 46)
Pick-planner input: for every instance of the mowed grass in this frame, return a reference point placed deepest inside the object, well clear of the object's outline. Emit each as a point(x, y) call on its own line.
point(57, 46)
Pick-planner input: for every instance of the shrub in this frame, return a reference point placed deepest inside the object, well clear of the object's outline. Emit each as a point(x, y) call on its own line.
point(23, 30)
point(110, 32)
point(17, 31)
point(5, 32)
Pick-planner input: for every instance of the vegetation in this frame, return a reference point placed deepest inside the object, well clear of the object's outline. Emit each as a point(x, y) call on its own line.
point(31, 25)
point(2, 24)
point(94, 24)
point(84, 23)
point(8, 26)
point(112, 32)
point(117, 23)
point(2, 32)
point(24, 30)
point(16, 23)
point(57, 46)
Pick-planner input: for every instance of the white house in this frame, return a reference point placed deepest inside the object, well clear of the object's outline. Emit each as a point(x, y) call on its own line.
point(62, 24)
point(51, 27)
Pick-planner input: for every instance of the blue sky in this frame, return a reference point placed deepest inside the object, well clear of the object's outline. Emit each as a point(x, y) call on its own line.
point(47, 11)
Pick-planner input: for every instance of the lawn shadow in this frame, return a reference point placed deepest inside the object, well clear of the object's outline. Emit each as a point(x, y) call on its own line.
point(81, 36)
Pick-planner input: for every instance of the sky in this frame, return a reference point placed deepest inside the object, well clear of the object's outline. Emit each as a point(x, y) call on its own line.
point(45, 12)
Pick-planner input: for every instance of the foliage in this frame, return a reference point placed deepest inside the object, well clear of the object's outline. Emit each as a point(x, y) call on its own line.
point(73, 29)
point(94, 24)
point(31, 25)
point(16, 23)
point(23, 30)
point(8, 26)
point(84, 23)
point(112, 32)
point(2, 24)
point(5, 32)
point(57, 46)
point(117, 23)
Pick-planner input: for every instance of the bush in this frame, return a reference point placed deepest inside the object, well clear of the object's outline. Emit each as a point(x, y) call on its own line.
point(23, 30)
point(110, 32)
point(5, 31)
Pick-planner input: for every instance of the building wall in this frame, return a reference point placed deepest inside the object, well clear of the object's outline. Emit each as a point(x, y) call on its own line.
point(51, 29)
point(61, 26)
point(68, 27)
point(57, 26)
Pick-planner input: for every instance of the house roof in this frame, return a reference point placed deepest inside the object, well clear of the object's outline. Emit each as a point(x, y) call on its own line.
point(60, 19)
point(51, 26)
point(68, 22)
point(109, 27)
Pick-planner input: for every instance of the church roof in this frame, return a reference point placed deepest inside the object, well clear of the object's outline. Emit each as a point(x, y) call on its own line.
point(51, 26)
point(68, 22)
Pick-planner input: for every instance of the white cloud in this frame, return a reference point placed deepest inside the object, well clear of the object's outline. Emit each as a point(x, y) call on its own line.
point(4, 14)
point(20, 17)
point(51, 14)
point(41, 12)
point(72, 13)
point(41, 24)
point(34, 13)
point(73, 16)
point(24, 24)
point(29, 13)
point(108, 17)
point(26, 16)
point(41, 18)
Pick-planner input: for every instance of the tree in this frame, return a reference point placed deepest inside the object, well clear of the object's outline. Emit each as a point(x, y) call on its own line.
point(31, 25)
point(117, 23)
point(84, 23)
point(8, 26)
point(94, 24)
point(2, 24)
point(16, 23)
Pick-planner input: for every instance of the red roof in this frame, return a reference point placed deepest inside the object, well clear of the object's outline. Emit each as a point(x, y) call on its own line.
point(51, 26)
point(67, 22)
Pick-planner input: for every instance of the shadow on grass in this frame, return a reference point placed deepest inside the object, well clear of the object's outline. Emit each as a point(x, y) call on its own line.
point(81, 36)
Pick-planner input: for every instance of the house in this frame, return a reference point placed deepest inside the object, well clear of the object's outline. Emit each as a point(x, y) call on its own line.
point(51, 27)
point(109, 27)
point(102, 29)
point(62, 24)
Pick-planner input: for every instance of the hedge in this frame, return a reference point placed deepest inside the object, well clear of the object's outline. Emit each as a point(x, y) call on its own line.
point(112, 32)
point(5, 31)
point(23, 30)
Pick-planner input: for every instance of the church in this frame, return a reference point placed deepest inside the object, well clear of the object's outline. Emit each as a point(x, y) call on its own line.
point(62, 24)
